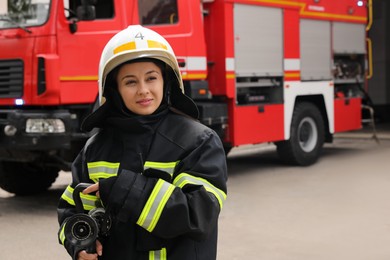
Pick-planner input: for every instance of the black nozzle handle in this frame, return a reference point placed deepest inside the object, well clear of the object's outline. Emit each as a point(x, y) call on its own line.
point(76, 196)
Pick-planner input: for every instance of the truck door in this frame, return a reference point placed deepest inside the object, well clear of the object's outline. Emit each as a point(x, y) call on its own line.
point(81, 39)
point(181, 23)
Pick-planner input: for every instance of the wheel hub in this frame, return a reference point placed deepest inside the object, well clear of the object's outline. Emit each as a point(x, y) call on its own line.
point(308, 134)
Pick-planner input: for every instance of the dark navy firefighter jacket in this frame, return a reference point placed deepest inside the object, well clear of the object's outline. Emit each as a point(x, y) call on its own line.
point(163, 178)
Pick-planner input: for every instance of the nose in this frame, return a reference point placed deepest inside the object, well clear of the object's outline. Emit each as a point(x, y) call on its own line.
point(142, 89)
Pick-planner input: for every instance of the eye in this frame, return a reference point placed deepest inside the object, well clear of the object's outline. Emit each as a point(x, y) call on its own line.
point(130, 82)
point(151, 78)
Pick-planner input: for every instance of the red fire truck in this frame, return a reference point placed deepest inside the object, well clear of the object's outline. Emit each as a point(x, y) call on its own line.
point(281, 71)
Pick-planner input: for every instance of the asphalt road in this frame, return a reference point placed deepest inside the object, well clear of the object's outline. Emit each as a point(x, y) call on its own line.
point(337, 209)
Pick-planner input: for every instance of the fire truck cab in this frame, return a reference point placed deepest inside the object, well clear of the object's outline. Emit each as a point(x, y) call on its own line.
point(287, 72)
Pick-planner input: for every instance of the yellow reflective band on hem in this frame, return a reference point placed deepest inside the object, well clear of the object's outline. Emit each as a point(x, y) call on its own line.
point(96, 176)
point(154, 206)
point(62, 234)
point(168, 167)
point(125, 47)
point(158, 255)
point(184, 178)
point(89, 201)
point(102, 170)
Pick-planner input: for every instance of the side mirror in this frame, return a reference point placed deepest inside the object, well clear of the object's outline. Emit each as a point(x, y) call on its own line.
point(73, 26)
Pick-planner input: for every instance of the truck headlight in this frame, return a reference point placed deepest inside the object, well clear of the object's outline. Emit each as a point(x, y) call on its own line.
point(44, 125)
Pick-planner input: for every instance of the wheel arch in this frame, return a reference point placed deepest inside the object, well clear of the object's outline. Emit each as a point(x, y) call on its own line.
point(317, 100)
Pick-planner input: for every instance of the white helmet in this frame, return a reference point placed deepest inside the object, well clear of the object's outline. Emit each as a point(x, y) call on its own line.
point(137, 42)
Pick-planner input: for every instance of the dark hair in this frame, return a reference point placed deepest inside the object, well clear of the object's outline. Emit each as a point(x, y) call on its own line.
point(171, 83)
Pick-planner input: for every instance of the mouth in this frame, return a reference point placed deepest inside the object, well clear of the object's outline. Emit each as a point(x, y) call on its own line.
point(145, 101)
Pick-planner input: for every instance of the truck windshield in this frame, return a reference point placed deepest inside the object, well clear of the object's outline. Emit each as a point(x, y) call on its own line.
point(23, 13)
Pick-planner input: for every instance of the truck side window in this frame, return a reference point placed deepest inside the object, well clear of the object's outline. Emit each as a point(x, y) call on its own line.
point(158, 12)
point(104, 8)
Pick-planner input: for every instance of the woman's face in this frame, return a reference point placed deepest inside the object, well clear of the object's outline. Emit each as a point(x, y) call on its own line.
point(141, 86)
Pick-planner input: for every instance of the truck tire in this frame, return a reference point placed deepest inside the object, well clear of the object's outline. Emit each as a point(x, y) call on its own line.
point(26, 178)
point(307, 135)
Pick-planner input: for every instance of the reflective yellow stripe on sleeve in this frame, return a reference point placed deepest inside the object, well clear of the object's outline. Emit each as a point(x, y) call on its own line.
point(158, 255)
point(62, 234)
point(89, 201)
point(155, 204)
point(168, 167)
point(102, 169)
point(184, 178)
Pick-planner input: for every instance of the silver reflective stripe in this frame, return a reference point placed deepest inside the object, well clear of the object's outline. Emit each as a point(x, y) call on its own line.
point(89, 201)
point(158, 255)
point(154, 206)
point(168, 167)
point(184, 178)
point(102, 169)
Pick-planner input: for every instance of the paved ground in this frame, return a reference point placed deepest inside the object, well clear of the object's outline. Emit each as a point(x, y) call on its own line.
point(336, 209)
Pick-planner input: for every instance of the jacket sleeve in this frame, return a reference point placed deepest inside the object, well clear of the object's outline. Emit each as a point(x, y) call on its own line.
point(66, 206)
point(189, 205)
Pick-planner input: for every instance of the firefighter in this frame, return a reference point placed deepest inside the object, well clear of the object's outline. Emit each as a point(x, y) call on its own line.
point(159, 173)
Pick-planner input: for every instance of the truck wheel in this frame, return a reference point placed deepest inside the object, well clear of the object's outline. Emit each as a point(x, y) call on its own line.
point(307, 136)
point(26, 178)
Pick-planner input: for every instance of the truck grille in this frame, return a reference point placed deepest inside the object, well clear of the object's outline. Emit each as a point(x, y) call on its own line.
point(11, 78)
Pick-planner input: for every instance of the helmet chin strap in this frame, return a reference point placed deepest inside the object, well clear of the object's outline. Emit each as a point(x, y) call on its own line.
point(168, 95)
point(170, 82)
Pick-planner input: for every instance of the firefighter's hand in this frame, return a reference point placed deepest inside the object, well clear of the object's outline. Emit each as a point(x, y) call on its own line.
point(92, 188)
point(83, 255)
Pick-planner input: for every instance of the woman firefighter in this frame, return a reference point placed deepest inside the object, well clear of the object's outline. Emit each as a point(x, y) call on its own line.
point(159, 174)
